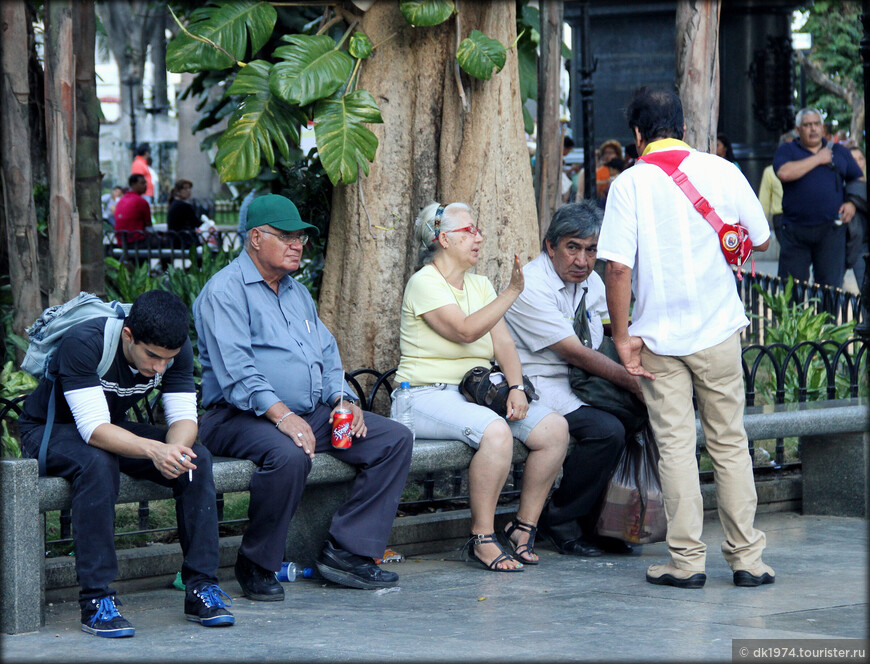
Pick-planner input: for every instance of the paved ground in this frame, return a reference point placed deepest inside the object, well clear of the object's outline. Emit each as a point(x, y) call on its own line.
point(566, 609)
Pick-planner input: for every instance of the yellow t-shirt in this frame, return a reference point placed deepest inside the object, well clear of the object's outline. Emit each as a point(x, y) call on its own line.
point(427, 357)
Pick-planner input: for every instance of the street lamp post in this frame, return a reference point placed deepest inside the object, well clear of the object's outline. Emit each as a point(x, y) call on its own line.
point(131, 85)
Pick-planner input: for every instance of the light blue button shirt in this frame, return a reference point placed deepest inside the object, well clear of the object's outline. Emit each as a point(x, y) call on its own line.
point(257, 347)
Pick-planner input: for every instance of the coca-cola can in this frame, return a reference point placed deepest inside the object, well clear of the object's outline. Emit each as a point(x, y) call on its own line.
point(341, 421)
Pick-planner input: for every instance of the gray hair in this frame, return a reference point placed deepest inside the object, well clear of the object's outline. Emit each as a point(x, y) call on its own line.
point(578, 220)
point(798, 118)
point(424, 229)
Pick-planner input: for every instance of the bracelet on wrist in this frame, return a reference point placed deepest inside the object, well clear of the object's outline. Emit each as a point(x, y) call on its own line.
point(283, 417)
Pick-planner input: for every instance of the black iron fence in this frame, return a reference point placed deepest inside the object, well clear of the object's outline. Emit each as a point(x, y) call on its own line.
point(842, 305)
point(774, 374)
point(165, 247)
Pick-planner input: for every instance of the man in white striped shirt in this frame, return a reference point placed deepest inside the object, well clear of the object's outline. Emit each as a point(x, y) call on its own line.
point(91, 441)
point(685, 334)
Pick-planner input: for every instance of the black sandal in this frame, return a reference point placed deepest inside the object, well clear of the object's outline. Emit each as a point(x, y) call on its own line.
point(469, 555)
point(519, 549)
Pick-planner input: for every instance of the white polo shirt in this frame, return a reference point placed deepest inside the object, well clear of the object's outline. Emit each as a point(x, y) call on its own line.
point(543, 315)
point(686, 297)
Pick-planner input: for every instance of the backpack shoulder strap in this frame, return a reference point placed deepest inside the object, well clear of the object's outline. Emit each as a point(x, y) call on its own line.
point(111, 338)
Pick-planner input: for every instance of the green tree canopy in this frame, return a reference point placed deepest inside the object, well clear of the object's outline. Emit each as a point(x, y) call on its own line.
point(835, 26)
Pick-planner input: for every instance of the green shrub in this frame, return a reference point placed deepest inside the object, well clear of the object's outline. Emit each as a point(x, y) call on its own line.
point(13, 384)
point(794, 323)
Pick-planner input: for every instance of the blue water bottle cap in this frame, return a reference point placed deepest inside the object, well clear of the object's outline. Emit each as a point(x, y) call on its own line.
point(405, 385)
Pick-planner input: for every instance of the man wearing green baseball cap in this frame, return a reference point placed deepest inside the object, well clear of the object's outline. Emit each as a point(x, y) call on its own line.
point(271, 374)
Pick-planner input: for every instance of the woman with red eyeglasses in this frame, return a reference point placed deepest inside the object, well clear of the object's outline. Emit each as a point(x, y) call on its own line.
point(452, 321)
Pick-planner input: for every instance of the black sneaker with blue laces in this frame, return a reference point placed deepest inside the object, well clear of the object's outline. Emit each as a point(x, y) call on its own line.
point(206, 606)
point(100, 617)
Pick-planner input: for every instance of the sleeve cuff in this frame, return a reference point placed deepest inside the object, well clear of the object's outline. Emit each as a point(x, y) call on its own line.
point(616, 258)
point(263, 401)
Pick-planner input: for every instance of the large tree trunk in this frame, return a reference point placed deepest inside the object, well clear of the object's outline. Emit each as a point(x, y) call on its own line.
point(63, 222)
point(16, 180)
point(697, 32)
point(130, 25)
point(88, 149)
point(430, 150)
point(192, 163)
point(548, 160)
point(159, 99)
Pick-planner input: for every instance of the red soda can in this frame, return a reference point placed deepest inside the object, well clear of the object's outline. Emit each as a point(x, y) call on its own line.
point(341, 421)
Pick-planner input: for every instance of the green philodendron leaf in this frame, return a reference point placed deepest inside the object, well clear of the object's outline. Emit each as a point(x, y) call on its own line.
point(527, 63)
point(478, 55)
point(228, 25)
point(426, 12)
point(528, 122)
point(359, 46)
point(251, 79)
point(311, 68)
point(259, 123)
point(344, 144)
point(531, 16)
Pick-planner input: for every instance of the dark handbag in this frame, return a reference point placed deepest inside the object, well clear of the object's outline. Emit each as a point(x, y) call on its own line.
point(599, 392)
point(489, 387)
point(634, 508)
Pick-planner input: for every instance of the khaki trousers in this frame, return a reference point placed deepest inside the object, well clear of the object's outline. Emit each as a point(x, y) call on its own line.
point(717, 377)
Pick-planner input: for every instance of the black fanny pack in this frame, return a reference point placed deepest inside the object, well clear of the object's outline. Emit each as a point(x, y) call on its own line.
point(489, 387)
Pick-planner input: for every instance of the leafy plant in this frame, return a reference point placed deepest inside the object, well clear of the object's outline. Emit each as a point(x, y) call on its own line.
point(11, 341)
point(13, 384)
point(187, 283)
point(528, 39)
point(836, 29)
point(479, 55)
point(125, 284)
point(305, 78)
point(794, 324)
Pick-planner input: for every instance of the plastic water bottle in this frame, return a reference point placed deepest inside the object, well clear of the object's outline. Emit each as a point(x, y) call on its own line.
point(289, 572)
point(404, 415)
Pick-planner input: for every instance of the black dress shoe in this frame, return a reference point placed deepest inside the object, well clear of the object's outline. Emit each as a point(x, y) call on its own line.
point(569, 547)
point(613, 545)
point(257, 582)
point(348, 569)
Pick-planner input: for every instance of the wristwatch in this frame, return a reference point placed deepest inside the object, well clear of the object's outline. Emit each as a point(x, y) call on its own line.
point(347, 399)
point(521, 388)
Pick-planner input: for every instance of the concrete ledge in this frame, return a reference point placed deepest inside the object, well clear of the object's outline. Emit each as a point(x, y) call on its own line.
point(438, 532)
point(835, 474)
point(803, 419)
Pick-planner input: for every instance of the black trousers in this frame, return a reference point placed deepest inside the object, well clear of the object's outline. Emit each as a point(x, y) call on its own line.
point(95, 478)
point(823, 246)
point(361, 525)
point(573, 508)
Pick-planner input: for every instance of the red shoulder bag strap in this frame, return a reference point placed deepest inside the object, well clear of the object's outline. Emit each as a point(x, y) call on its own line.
point(733, 239)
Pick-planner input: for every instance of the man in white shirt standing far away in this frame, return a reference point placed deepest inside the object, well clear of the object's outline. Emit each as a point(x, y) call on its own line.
point(685, 333)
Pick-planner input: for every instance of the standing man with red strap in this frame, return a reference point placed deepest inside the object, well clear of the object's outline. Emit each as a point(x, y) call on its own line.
point(685, 331)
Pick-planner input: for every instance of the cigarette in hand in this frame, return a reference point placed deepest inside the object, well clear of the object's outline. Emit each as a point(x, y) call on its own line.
point(189, 470)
